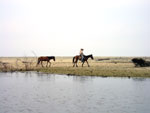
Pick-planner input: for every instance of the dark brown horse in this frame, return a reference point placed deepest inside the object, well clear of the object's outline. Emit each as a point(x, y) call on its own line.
point(85, 59)
point(45, 58)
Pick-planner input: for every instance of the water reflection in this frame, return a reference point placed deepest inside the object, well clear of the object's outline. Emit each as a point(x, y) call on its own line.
point(43, 93)
point(82, 78)
point(139, 79)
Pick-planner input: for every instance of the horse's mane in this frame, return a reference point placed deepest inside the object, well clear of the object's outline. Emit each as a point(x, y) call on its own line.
point(51, 56)
point(88, 55)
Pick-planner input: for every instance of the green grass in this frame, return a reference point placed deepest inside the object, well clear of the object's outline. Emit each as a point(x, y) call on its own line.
point(96, 71)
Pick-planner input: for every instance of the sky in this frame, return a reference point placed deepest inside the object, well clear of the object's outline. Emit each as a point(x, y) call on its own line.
point(63, 27)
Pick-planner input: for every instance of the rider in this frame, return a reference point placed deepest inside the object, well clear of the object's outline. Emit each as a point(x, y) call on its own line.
point(81, 54)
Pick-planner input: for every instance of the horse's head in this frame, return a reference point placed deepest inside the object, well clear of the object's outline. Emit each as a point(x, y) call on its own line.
point(54, 58)
point(92, 57)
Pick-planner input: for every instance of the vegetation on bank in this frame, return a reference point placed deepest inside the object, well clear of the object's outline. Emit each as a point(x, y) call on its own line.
point(93, 71)
point(114, 67)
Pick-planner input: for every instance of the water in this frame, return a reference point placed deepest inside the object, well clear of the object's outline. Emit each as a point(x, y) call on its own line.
point(45, 93)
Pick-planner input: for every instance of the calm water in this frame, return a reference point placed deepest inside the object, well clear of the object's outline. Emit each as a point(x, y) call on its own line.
point(45, 93)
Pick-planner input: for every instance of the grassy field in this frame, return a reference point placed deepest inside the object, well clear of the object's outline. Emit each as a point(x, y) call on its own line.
point(108, 66)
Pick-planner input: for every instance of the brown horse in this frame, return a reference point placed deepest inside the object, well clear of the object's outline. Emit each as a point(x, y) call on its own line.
point(85, 59)
point(46, 58)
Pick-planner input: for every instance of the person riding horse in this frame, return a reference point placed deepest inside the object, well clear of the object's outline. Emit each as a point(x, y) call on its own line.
point(82, 57)
point(81, 54)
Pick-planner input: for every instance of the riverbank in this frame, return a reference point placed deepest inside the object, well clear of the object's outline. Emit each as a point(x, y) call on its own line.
point(107, 67)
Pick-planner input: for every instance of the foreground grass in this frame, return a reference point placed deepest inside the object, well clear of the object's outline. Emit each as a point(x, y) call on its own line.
point(96, 71)
point(115, 67)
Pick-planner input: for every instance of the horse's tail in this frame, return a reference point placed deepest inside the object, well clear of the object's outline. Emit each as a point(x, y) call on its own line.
point(73, 59)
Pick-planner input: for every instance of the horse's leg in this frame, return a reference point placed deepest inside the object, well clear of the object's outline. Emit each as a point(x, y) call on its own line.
point(37, 63)
point(73, 64)
point(76, 63)
point(42, 63)
point(83, 63)
point(87, 63)
point(49, 64)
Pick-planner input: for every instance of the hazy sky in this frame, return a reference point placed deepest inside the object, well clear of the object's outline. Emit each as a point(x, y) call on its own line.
point(62, 27)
